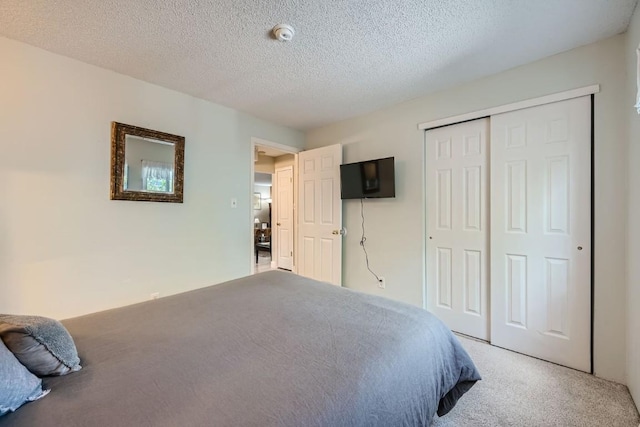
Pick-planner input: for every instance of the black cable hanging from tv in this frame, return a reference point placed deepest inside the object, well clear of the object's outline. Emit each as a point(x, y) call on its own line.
point(363, 239)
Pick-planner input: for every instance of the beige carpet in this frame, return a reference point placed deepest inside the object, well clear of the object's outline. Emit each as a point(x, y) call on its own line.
point(517, 390)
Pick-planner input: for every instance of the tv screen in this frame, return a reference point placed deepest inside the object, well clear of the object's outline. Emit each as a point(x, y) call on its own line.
point(370, 179)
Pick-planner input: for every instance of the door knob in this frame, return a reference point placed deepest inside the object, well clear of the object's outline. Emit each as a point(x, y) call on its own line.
point(278, 224)
point(341, 232)
point(579, 248)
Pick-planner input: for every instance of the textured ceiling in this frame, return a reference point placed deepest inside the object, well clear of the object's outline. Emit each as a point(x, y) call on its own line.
point(347, 58)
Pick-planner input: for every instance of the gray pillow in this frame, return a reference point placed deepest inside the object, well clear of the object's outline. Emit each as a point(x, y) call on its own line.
point(19, 386)
point(43, 345)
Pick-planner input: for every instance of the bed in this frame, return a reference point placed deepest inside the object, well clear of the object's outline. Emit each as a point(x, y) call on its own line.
point(273, 349)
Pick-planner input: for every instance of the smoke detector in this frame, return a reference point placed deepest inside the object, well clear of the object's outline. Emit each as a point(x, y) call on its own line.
point(283, 32)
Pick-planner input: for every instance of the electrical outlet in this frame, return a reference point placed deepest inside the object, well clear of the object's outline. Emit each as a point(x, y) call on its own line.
point(381, 283)
point(155, 295)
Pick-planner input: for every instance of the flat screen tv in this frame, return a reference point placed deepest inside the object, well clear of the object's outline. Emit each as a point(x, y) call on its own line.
point(369, 179)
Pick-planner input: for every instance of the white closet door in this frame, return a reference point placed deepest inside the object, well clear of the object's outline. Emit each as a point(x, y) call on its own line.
point(541, 232)
point(457, 255)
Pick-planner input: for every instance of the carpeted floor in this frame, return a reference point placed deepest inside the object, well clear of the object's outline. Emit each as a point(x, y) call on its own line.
point(521, 391)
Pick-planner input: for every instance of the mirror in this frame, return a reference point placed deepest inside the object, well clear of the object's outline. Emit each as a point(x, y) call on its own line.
point(146, 165)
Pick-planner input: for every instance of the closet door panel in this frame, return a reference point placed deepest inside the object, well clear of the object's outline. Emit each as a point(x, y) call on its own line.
point(457, 255)
point(541, 232)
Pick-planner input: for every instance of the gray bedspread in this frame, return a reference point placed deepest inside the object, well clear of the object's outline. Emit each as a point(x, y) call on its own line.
point(272, 349)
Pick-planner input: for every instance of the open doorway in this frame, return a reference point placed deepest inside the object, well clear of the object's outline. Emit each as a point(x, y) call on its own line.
point(262, 217)
point(273, 206)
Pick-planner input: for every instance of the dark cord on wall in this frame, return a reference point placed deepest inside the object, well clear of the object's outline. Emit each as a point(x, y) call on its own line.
point(363, 239)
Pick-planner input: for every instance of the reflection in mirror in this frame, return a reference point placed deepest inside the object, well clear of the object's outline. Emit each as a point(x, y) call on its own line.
point(149, 165)
point(146, 165)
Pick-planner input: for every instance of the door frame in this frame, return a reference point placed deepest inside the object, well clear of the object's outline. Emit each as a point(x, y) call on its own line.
point(488, 112)
point(255, 141)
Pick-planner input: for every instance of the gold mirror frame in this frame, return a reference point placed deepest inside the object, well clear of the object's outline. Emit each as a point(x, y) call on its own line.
point(119, 131)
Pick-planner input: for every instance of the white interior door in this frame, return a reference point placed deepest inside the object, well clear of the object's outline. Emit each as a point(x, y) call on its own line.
point(284, 218)
point(541, 232)
point(457, 252)
point(320, 214)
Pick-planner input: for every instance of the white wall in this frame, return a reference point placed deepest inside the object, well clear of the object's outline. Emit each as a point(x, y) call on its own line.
point(284, 161)
point(265, 164)
point(633, 241)
point(395, 228)
point(62, 239)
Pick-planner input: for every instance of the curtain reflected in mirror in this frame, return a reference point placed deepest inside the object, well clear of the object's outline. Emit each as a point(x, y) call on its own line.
point(146, 165)
point(157, 176)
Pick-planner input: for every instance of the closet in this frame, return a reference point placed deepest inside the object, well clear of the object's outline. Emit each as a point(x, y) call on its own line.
point(509, 229)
